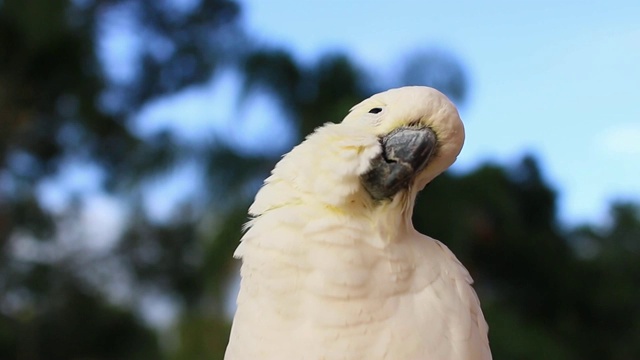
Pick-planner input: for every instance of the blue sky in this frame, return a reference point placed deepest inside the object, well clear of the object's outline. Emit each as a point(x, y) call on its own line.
point(556, 78)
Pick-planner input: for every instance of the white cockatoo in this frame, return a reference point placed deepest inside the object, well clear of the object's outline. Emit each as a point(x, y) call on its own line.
point(332, 267)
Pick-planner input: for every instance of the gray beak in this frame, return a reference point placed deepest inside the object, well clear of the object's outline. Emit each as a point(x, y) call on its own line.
point(405, 152)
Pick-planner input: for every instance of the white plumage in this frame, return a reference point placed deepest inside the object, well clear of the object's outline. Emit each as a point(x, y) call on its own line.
point(328, 272)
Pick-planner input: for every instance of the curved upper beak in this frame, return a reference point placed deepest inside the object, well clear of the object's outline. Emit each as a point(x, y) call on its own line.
point(405, 152)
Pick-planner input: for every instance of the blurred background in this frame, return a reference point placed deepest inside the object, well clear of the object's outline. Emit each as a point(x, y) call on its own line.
point(134, 135)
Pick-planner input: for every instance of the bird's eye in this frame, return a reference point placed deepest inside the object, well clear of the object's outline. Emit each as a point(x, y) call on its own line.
point(375, 110)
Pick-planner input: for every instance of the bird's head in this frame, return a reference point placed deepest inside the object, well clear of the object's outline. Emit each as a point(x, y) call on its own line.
point(385, 150)
point(420, 133)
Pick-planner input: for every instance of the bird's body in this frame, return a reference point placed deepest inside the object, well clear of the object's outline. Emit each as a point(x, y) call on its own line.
point(332, 266)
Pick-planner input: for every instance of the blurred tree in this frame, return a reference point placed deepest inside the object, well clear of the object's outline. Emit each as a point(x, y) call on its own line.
point(61, 103)
point(604, 321)
point(547, 293)
point(436, 68)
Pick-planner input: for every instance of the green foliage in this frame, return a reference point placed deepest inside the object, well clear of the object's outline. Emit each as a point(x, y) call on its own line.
point(201, 338)
point(547, 292)
point(64, 320)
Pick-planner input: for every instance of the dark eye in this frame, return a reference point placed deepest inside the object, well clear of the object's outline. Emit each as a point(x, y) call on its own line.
point(375, 110)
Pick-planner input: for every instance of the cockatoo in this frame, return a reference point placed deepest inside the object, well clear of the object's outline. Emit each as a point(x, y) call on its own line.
point(332, 267)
